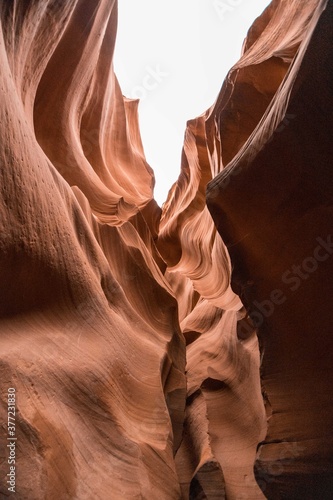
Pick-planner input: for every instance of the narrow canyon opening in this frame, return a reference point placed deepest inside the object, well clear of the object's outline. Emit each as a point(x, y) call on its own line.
point(175, 351)
point(173, 57)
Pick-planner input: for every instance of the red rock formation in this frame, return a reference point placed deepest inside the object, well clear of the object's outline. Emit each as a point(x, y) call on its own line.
point(105, 297)
point(273, 207)
point(225, 417)
point(90, 338)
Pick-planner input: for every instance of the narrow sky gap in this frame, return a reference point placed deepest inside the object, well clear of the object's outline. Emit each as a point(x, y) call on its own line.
point(174, 56)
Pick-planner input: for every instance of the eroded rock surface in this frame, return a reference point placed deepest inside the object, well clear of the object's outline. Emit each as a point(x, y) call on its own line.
point(273, 207)
point(90, 337)
point(134, 363)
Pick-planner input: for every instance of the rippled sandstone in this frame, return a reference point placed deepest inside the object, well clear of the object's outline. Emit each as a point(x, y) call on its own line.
point(273, 207)
point(136, 366)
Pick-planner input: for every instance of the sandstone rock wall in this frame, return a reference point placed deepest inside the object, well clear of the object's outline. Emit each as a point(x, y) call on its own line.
point(135, 365)
point(273, 207)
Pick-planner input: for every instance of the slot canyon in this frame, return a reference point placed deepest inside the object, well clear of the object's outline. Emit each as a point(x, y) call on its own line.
point(182, 352)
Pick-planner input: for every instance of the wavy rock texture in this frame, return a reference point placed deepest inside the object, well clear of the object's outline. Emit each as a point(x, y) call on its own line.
point(135, 364)
point(90, 337)
point(273, 207)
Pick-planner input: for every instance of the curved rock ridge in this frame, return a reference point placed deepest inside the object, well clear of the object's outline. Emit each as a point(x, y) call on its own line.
point(225, 418)
point(273, 207)
point(136, 366)
point(90, 337)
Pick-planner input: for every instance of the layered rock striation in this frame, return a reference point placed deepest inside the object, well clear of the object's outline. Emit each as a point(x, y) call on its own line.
point(90, 337)
point(129, 333)
point(273, 207)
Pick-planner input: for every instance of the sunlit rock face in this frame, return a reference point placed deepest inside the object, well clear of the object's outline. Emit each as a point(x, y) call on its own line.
point(135, 364)
point(273, 207)
point(90, 337)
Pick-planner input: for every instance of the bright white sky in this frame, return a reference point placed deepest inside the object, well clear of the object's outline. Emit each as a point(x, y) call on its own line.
point(174, 56)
